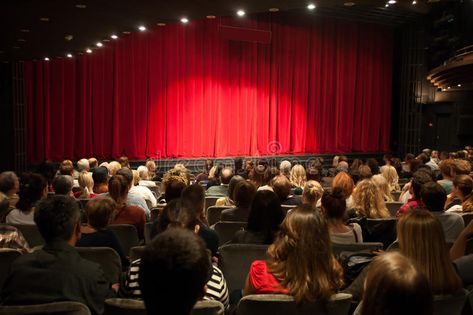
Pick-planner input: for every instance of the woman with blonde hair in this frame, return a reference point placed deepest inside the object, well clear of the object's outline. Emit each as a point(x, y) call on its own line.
point(312, 193)
point(383, 185)
point(345, 182)
point(114, 167)
point(368, 200)
point(298, 176)
point(390, 173)
point(421, 239)
point(300, 261)
point(86, 183)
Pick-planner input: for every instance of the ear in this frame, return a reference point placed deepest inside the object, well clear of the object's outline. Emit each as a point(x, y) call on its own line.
point(196, 229)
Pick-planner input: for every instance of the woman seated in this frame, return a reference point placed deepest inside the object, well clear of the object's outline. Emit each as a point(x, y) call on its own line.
point(86, 184)
point(345, 182)
point(382, 184)
point(300, 261)
point(368, 201)
point(334, 209)
point(391, 176)
point(264, 220)
point(298, 176)
point(99, 213)
point(312, 193)
point(228, 201)
point(462, 189)
point(243, 196)
point(33, 188)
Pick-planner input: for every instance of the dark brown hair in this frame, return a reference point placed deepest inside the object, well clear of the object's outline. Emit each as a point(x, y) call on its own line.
point(99, 212)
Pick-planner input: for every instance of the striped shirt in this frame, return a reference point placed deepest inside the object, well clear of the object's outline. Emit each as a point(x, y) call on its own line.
point(216, 287)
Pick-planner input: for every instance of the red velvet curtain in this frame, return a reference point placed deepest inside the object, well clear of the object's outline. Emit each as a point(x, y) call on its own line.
point(321, 86)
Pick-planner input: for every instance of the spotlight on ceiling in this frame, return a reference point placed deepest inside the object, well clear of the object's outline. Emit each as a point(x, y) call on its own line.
point(241, 13)
point(89, 51)
point(99, 44)
point(386, 5)
point(142, 28)
point(392, 1)
point(113, 36)
point(69, 56)
point(414, 2)
point(459, 85)
point(46, 59)
point(311, 6)
point(184, 20)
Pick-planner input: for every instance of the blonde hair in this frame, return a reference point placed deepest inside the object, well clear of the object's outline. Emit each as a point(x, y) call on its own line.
point(345, 182)
point(136, 177)
point(86, 183)
point(298, 176)
point(369, 201)
point(382, 184)
point(312, 192)
point(421, 238)
point(391, 176)
point(114, 166)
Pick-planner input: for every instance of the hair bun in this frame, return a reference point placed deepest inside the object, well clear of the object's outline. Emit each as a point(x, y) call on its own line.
point(337, 192)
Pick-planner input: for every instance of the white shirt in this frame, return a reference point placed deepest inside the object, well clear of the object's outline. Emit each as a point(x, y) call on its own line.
point(452, 224)
point(147, 183)
point(145, 193)
point(18, 217)
point(348, 237)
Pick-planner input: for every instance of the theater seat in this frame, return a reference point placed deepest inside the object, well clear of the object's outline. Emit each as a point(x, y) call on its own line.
point(356, 247)
point(58, 308)
point(226, 230)
point(30, 233)
point(213, 213)
point(393, 207)
point(450, 304)
point(126, 234)
point(282, 304)
point(107, 258)
point(135, 307)
point(7, 256)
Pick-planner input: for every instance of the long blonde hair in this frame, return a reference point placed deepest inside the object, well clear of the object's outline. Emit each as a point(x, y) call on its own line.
point(382, 184)
point(298, 176)
point(369, 201)
point(390, 173)
point(421, 238)
point(86, 183)
point(301, 257)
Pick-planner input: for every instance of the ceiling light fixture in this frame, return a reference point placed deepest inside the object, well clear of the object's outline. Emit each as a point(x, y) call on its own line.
point(184, 20)
point(89, 51)
point(241, 13)
point(414, 2)
point(459, 85)
point(448, 88)
point(113, 36)
point(46, 59)
point(386, 5)
point(311, 6)
point(273, 9)
point(349, 4)
point(392, 1)
point(142, 28)
point(69, 56)
point(99, 44)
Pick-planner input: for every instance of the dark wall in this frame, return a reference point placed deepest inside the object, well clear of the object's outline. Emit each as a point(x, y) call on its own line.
point(7, 152)
point(447, 124)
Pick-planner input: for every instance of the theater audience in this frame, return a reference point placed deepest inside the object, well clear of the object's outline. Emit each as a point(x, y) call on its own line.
point(100, 177)
point(312, 193)
point(144, 178)
point(9, 187)
point(461, 261)
point(33, 188)
point(264, 219)
point(83, 165)
point(173, 190)
point(334, 210)
point(418, 180)
point(221, 190)
point(282, 187)
point(95, 234)
point(383, 186)
point(133, 198)
point(243, 196)
point(123, 160)
point(256, 176)
point(151, 166)
point(368, 200)
point(93, 163)
point(118, 187)
point(56, 272)
point(462, 189)
point(62, 185)
point(86, 183)
point(373, 165)
point(142, 191)
point(228, 200)
point(345, 182)
point(174, 271)
point(300, 261)
point(395, 286)
point(298, 176)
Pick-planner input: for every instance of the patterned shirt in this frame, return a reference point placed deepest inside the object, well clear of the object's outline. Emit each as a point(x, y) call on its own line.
point(11, 237)
point(411, 204)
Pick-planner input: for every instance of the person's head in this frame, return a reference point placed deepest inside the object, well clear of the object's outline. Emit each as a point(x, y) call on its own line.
point(174, 270)
point(355, 165)
point(226, 175)
point(118, 187)
point(345, 182)
point(9, 183)
point(238, 163)
point(83, 165)
point(285, 168)
point(342, 167)
point(419, 179)
point(301, 256)
point(391, 176)
point(93, 163)
point(173, 175)
point(62, 185)
point(233, 182)
point(409, 157)
point(175, 215)
point(395, 286)
point(173, 190)
point(373, 165)
point(58, 219)
point(193, 197)
point(113, 167)
point(298, 176)
point(257, 175)
point(312, 192)
point(100, 175)
point(270, 173)
point(123, 160)
point(423, 158)
point(86, 183)
point(433, 196)
point(421, 239)
point(99, 212)
point(33, 187)
point(265, 214)
point(460, 167)
point(443, 155)
point(136, 177)
point(446, 169)
point(369, 201)
point(66, 168)
point(151, 166)
point(334, 205)
point(281, 186)
point(365, 172)
point(463, 185)
point(382, 184)
point(143, 172)
point(244, 193)
point(435, 154)
point(127, 173)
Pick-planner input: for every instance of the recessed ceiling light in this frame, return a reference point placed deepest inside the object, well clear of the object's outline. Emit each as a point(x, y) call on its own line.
point(386, 5)
point(273, 9)
point(211, 17)
point(444, 90)
point(184, 20)
point(349, 4)
point(81, 6)
point(392, 1)
point(161, 24)
point(459, 85)
point(89, 51)
point(69, 56)
point(25, 30)
point(142, 28)
point(448, 88)
point(46, 59)
point(414, 2)
point(241, 13)
point(99, 44)
point(311, 6)
point(113, 36)
point(44, 19)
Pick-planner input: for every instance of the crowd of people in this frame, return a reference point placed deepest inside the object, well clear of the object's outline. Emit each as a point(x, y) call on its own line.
point(297, 211)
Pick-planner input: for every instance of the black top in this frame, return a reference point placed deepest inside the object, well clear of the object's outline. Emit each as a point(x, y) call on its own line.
point(103, 238)
point(248, 237)
point(235, 214)
point(56, 273)
point(210, 238)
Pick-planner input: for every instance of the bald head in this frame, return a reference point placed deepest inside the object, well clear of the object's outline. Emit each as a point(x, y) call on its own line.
point(226, 175)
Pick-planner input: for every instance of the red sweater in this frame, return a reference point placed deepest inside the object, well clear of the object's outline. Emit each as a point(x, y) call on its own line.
point(133, 215)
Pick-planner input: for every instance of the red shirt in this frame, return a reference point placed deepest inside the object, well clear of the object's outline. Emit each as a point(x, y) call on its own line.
point(411, 204)
point(133, 215)
point(263, 281)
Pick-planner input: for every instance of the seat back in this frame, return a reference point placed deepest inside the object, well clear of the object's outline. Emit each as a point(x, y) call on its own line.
point(127, 235)
point(467, 217)
point(355, 247)
point(226, 230)
point(58, 308)
point(134, 307)
point(396, 195)
point(148, 226)
point(450, 304)
point(380, 230)
point(7, 256)
point(282, 304)
point(30, 233)
point(213, 214)
point(210, 201)
point(236, 260)
point(287, 208)
point(107, 258)
point(136, 252)
point(393, 207)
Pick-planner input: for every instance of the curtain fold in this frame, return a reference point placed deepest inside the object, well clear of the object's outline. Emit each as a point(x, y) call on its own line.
point(321, 86)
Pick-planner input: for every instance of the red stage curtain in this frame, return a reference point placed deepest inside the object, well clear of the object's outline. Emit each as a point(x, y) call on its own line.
point(321, 86)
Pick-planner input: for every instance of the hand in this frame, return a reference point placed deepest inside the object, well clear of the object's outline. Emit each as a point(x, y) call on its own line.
point(116, 287)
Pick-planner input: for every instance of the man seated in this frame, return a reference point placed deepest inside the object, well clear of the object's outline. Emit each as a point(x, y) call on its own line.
point(57, 272)
point(282, 187)
point(221, 190)
point(62, 185)
point(9, 187)
point(174, 270)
